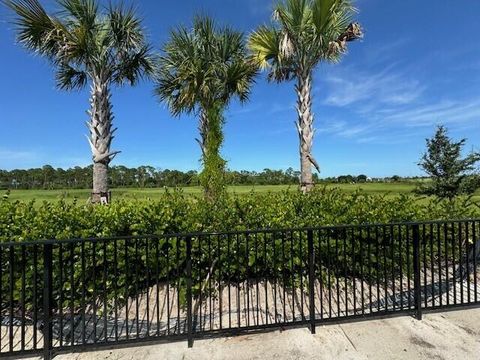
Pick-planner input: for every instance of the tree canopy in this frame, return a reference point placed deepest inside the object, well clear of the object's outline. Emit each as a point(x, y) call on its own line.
point(451, 174)
point(304, 33)
point(82, 41)
point(203, 66)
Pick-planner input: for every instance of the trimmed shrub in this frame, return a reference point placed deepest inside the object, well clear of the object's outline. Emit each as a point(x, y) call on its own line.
point(176, 212)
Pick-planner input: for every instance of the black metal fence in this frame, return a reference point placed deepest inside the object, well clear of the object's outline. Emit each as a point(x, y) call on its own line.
point(66, 295)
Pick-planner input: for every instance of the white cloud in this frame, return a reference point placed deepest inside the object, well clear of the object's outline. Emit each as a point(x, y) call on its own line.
point(397, 124)
point(343, 129)
point(378, 53)
point(445, 112)
point(349, 86)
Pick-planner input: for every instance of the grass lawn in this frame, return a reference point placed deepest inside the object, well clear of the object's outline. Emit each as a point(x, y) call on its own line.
point(134, 193)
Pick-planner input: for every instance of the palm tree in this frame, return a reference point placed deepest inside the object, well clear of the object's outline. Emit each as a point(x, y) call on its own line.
point(86, 45)
point(305, 33)
point(200, 71)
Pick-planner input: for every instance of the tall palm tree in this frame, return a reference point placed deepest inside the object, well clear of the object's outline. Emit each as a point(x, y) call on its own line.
point(305, 32)
point(200, 71)
point(87, 45)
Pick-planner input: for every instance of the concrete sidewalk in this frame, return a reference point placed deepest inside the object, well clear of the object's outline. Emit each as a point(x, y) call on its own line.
point(450, 335)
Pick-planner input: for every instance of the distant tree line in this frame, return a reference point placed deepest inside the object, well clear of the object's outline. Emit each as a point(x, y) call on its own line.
point(78, 177)
point(48, 177)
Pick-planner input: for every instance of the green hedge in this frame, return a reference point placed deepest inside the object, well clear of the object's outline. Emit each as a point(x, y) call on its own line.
point(176, 212)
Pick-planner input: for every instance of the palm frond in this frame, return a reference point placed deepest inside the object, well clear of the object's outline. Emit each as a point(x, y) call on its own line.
point(70, 78)
point(35, 29)
point(125, 27)
point(204, 29)
point(134, 66)
point(322, 14)
point(240, 76)
point(304, 32)
point(264, 44)
point(294, 15)
point(203, 66)
point(80, 12)
point(272, 50)
point(230, 43)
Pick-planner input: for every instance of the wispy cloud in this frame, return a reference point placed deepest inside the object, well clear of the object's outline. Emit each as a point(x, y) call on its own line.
point(445, 112)
point(387, 87)
point(396, 124)
point(376, 53)
point(343, 128)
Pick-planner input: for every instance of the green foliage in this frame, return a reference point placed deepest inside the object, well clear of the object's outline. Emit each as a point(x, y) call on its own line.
point(304, 33)
point(108, 270)
point(212, 177)
point(175, 211)
point(203, 66)
point(82, 42)
point(451, 173)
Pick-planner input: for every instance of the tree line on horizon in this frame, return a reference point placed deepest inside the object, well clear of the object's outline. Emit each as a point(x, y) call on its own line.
point(47, 178)
point(199, 70)
point(120, 176)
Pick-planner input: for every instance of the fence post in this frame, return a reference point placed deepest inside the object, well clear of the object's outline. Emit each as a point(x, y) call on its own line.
point(47, 301)
point(311, 279)
point(416, 272)
point(189, 291)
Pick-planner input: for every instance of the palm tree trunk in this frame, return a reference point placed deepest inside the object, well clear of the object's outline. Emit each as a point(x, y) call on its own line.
point(100, 181)
point(305, 130)
point(101, 136)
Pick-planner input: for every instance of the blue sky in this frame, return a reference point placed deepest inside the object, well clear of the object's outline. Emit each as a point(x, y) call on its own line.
point(418, 66)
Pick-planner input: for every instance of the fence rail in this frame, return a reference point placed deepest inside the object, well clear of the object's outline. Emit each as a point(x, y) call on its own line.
point(60, 296)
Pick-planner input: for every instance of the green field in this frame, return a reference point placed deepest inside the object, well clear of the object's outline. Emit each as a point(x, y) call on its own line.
point(135, 193)
point(389, 189)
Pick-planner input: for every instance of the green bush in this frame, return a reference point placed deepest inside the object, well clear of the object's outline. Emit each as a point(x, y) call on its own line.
point(176, 212)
